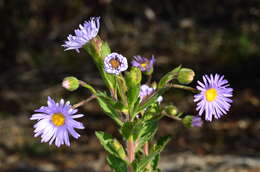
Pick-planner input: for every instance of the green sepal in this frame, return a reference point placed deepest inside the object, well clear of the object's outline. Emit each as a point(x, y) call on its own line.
point(108, 106)
point(111, 145)
point(168, 77)
point(140, 164)
point(117, 164)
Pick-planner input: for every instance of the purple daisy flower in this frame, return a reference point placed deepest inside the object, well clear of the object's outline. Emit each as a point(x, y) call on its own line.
point(214, 97)
point(56, 121)
point(196, 121)
point(115, 63)
point(85, 33)
point(146, 92)
point(144, 64)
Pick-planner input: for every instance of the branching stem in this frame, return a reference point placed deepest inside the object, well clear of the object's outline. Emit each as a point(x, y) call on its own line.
point(83, 102)
point(183, 87)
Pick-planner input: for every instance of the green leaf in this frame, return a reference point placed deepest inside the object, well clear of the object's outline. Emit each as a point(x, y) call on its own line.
point(146, 134)
point(140, 165)
point(155, 162)
point(118, 165)
point(111, 145)
point(132, 129)
point(168, 77)
point(133, 80)
point(107, 105)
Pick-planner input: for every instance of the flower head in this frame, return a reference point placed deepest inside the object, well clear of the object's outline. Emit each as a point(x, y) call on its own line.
point(196, 121)
point(146, 92)
point(115, 63)
point(144, 64)
point(55, 122)
point(214, 97)
point(85, 33)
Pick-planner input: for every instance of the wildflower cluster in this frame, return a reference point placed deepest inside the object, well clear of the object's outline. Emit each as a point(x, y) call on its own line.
point(134, 103)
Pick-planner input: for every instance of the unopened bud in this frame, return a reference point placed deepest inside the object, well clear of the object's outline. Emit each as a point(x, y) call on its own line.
point(171, 110)
point(186, 76)
point(187, 121)
point(70, 83)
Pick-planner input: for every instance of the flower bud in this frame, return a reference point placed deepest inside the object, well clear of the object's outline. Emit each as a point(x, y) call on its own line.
point(70, 83)
point(171, 110)
point(185, 76)
point(187, 121)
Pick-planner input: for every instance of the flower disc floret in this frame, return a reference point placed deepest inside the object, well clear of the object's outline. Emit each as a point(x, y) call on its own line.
point(144, 64)
point(115, 63)
point(214, 97)
point(56, 121)
point(84, 34)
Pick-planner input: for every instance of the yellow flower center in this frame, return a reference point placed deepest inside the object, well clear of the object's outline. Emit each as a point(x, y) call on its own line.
point(115, 63)
point(58, 119)
point(144, 64)
point(211, 94)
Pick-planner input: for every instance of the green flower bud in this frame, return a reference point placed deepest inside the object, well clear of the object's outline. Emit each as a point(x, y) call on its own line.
point(70, 83)
point(185, 76)
point(187, 121)
point(171, 110)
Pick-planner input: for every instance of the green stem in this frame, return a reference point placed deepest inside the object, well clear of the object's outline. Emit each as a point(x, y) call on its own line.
point(84, 84)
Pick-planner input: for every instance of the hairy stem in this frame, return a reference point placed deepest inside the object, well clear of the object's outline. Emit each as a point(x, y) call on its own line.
point(146, 148)
point(130, 152)
point(183, 87)
point(83, 102)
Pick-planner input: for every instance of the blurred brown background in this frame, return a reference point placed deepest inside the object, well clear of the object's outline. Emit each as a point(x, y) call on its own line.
point(209, 36)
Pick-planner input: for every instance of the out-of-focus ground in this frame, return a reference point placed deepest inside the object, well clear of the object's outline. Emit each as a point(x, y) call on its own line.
point(207, 36)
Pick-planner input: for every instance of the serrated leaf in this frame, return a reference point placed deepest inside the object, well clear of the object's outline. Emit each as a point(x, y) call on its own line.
point(168, 77)
point(107, 106)
point(111, 145)
point(140, 165)
point(132, 129)
point(117, 165)
point(155, 161)
point(146, 134)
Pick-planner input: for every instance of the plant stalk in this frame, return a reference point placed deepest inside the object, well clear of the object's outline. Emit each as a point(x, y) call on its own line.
point(131, 153)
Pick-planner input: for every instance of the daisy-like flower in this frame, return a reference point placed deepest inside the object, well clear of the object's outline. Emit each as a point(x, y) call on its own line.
point(146, 92)
point(55, 122)
point(115, 63)
point(144, 64)
point(196, 121)
point(85, 33)
point(214, 97)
